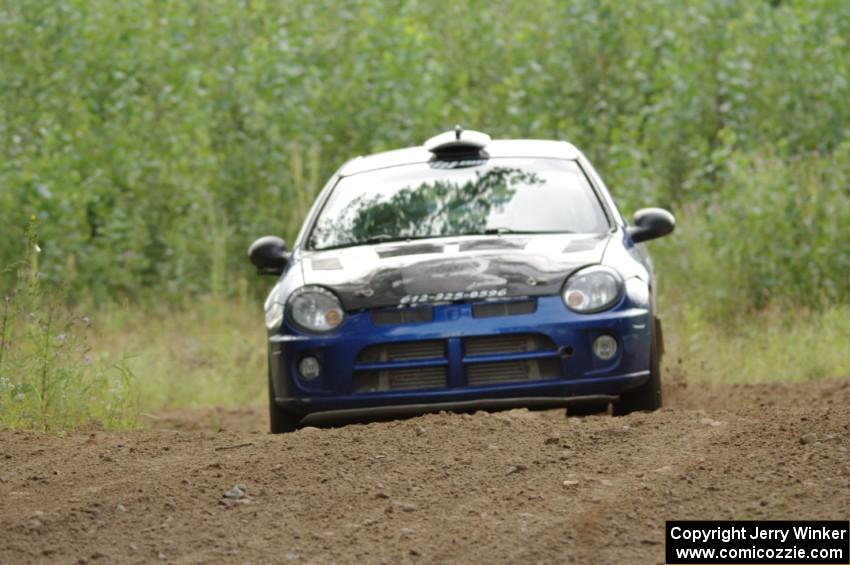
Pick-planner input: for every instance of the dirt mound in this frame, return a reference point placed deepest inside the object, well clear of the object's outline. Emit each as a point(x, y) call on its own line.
point(503, 487)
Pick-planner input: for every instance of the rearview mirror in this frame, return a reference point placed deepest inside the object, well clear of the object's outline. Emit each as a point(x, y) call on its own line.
point(651, 223)
point(269, 255)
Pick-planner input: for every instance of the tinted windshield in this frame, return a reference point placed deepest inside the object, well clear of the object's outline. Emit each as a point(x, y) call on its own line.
point(428, 200)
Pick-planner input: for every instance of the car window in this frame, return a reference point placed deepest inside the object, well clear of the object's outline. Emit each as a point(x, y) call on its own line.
point(487, 196)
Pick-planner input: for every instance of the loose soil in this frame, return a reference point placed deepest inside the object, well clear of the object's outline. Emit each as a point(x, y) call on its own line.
point(505, 487)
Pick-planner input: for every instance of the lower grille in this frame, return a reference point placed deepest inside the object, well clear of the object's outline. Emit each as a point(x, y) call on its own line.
point(400, 379)
point(384, 367)
point(512, 371)
point(512, 343)
point(404, 351)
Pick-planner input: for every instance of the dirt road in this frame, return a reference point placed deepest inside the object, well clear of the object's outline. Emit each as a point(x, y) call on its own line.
point(486, 488)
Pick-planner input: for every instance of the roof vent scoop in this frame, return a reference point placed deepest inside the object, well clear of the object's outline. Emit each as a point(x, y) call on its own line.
point(457, 142)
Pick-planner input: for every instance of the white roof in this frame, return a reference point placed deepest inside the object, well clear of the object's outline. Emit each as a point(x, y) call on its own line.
point(495, 148)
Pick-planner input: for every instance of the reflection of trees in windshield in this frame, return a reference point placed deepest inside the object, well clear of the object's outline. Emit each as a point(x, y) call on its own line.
point(430, 209)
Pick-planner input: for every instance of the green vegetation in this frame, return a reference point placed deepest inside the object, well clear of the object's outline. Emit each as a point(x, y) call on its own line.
point(209, 353)
point(154, 141)
point(50, 378)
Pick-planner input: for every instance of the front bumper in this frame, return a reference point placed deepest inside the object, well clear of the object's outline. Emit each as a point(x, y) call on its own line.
point(580, 374)
point(399, 410)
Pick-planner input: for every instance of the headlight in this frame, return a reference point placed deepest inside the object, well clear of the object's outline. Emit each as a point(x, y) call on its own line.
point(315, 309)
point(593, 289)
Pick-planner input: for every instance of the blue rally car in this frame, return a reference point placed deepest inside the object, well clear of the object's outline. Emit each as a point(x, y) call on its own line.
point(464, 274)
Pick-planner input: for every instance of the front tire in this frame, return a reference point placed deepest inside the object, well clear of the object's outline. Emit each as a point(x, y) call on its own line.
point(280, 421)
point(646, 397)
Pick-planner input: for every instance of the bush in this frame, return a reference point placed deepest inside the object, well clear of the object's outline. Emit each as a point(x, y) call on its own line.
point(773, 237)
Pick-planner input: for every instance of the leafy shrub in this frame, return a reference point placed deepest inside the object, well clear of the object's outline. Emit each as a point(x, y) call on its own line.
point(772, 237)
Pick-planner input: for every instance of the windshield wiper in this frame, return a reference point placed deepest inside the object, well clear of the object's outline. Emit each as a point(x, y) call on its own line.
point(500, 231)
point(381, 238)
point(385, 238)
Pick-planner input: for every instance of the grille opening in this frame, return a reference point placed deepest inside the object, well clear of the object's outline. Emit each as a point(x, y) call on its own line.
point(512, 371)
point(513, 343)
point(493, 309)
point(405, 351)
point(400, 379)
point(402, 316)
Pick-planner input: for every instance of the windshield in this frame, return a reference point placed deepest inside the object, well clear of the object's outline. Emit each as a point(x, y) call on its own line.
point(506, 195)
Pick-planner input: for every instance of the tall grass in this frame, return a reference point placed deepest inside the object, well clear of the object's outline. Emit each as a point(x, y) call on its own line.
point(50, 377)
point(755, 282)
point(767, 346)
point(207, 352)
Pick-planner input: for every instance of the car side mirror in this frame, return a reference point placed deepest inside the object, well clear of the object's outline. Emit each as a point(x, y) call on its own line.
point(269, 255)
point(651, 223)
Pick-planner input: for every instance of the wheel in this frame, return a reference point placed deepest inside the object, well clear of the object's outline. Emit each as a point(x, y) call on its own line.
point(646, 397)
point(280, 421)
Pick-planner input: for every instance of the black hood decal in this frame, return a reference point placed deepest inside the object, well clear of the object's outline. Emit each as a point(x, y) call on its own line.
point(462, 269)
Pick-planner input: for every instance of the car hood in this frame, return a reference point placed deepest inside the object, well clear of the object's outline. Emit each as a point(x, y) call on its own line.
point(449, 269)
